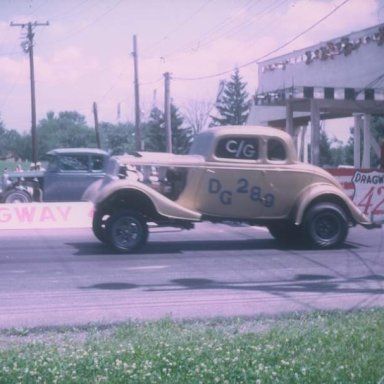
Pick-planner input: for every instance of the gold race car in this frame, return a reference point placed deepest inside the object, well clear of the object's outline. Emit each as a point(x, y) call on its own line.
point(246, 174)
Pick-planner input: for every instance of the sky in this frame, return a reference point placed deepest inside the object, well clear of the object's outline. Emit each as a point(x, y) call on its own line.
point(84, 55)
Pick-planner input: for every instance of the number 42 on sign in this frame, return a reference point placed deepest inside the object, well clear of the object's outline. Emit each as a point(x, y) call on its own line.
point(369, 193)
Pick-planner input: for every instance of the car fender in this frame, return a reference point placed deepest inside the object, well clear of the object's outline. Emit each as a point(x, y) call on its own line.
point(162, 204)
point(326, 192)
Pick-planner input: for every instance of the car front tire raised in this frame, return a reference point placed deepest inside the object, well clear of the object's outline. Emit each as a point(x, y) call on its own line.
point(126, 231)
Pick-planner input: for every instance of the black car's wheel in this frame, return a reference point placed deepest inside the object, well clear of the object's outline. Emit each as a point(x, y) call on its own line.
point(325, 226)
point(127, 231)
point(16, 196)
point(285, 233)
point(99, 226)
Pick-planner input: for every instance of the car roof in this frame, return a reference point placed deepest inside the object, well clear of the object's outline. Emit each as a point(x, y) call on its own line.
point(77, 151)
point(247, 130)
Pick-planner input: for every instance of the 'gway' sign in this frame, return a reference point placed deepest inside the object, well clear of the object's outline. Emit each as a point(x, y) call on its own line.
point(46, 215)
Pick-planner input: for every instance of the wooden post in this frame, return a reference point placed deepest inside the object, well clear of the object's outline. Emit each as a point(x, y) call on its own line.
point(96, 118)
point(315, 133)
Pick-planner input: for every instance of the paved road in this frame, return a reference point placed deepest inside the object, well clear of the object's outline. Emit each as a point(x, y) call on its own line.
point(62, 277)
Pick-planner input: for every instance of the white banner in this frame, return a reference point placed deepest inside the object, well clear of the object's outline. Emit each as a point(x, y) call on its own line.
point(369, 193)
point(46, 215)
point(365, 187)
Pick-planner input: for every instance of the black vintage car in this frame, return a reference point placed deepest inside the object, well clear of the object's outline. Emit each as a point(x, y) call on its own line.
point(69, 171)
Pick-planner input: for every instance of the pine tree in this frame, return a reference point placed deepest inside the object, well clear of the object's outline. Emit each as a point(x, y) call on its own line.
point(155, 135)
point(233, 105)
point(155, 139)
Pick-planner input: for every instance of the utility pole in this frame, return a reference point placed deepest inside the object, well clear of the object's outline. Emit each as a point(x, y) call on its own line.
point(137, 101)
point(28, 47)
point(97, 130)
point(167, 111)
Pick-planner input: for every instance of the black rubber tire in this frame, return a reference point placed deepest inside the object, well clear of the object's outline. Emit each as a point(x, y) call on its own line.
point(285, 233)
point(99, 226)
point(127, 231)
point(325, 226)
point(16, 196)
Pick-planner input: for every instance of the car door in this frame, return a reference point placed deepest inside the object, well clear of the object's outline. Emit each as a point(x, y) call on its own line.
point(233, 184)
point(283, 179)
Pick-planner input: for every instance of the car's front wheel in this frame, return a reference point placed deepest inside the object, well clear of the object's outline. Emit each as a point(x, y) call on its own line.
point(127, 231)
point(16, 196)
point(325, 226)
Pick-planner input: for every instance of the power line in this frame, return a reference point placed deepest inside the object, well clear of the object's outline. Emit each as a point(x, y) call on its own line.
point(180, 25)
point(88, 25)
point(210, 33)
point(242, 26)
point(255, 61)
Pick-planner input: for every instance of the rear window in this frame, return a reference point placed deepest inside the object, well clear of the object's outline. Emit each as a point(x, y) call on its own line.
point(241, 148)
point(276, 150)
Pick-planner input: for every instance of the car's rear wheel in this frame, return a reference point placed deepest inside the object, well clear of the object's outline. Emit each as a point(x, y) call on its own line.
point(127, 231)
point(325, 226)
point(16, 196)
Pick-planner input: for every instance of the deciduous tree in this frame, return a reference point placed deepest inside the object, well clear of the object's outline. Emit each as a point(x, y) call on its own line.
point(66, 130)
point(118, 139)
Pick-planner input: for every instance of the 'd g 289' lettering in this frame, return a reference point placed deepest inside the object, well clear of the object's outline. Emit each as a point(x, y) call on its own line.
point(254, 192)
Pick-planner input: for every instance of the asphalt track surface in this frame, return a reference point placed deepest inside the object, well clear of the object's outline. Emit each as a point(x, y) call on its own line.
point(55, 277)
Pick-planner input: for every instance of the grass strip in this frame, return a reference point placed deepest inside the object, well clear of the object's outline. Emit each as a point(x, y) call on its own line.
point(321, 347)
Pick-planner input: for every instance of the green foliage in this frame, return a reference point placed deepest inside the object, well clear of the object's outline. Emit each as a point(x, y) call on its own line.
point(233, 105)
point(377, 130)
point(325, 149)
point(155, 135)
point(333, 153)
point(12, 144)
point(118, 139)
point(377, 127)
point(316, 348)
point(66, 130)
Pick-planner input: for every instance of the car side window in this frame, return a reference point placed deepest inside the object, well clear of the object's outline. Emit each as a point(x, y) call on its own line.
point(240, 148)
point(276, 150)
point(74, 163)
point(97, 163)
